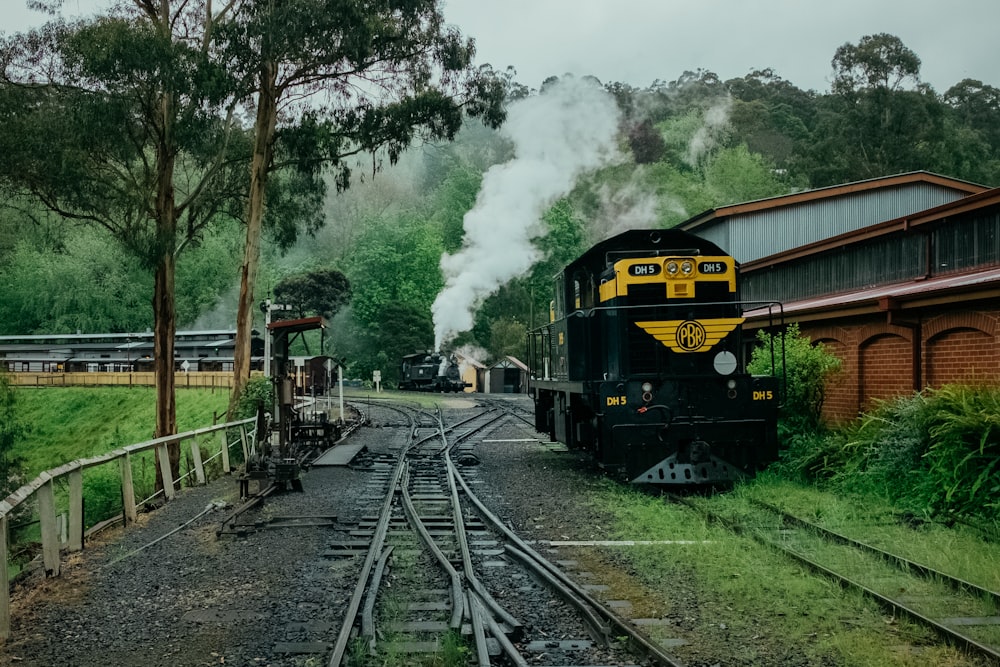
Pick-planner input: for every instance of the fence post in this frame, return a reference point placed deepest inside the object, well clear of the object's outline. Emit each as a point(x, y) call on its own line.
point(50, 535)
point(224, 450)
point(4, 582)
point(128, 491)
point(76, 510)
point(163, 456)
point(199, 469)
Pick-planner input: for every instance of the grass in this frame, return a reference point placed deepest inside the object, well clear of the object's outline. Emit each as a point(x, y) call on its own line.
point(67, 423)
point(956, 550)
point(746, 600)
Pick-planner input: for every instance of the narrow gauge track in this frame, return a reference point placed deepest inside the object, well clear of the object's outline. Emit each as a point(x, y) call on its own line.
point(961, 613)
point(444, 557)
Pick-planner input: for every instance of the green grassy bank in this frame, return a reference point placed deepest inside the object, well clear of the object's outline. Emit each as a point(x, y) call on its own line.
point(69, 423)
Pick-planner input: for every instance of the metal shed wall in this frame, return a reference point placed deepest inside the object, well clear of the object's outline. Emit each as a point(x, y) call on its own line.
point(758, 234)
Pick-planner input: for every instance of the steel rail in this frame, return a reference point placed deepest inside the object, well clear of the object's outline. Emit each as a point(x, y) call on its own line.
point(900, 562)
point(368, 613)
point(613, 619)
point(457, 591)
point(516, 627)
point(250, 503)
point(966, 643)
point(374, 552)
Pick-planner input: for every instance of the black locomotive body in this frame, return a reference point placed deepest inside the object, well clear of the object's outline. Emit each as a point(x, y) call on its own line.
point(426, 371)
point(643, 363)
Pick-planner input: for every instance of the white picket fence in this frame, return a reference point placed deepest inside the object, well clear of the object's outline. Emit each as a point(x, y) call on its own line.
point(43, 487)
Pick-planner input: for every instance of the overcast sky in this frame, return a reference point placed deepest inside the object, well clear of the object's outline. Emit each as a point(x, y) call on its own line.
point(639, 41)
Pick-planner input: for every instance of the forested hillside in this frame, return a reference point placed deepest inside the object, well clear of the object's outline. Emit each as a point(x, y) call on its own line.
point(684, 145)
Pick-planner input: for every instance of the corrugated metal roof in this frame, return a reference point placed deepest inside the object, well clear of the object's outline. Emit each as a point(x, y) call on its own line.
point(766, 227)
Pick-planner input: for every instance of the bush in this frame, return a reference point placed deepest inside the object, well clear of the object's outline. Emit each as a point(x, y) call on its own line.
point(258, 390)
point(806, 368)
point(882, 451)
point(935, 453)
point(963, 455)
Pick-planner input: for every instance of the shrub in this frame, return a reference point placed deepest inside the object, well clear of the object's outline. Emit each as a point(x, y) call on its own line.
point(934, 453)
point(883, 451)
point(963, 455)
point(258, 390)
point(806, 368)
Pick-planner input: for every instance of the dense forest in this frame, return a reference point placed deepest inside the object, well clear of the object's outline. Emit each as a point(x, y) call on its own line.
point(675, 149)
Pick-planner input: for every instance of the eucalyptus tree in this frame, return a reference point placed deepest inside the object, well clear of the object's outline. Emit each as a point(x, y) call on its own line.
point(332, 80)
point(880, 119)
point(125, 122)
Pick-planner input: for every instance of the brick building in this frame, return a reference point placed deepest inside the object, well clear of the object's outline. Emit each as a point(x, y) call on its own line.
point(908, 301)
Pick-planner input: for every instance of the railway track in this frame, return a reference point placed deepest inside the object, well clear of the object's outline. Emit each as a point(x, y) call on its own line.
point(959, 612)
point(443, 575)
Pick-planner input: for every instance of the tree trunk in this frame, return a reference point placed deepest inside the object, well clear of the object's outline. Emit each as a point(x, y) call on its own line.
point(264, 128)
point(164, 306)
point(165, 326)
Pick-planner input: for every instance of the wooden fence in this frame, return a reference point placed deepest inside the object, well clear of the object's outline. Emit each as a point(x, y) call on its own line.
point(204, 379)
point(43, 489)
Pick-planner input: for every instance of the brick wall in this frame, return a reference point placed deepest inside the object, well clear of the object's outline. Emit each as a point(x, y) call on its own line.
point(841, 391)
point(962, 356)
point(886, 368)
point(956, 346)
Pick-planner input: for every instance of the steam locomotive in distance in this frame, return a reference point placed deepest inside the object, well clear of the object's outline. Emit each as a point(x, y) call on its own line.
point(427, 371)
point(643, 363)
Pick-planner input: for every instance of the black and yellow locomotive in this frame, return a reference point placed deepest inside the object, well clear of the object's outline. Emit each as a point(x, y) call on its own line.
point(643, 363)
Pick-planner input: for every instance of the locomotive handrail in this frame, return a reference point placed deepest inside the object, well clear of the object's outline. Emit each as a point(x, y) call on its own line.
point(43, 486)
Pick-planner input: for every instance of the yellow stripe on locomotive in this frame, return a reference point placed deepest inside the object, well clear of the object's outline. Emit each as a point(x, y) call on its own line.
point(678, 274)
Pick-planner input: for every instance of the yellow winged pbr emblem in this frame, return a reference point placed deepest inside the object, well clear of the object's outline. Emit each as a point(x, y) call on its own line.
point(690, 335)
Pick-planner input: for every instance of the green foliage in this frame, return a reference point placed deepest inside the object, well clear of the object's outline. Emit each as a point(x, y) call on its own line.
point(963, 426)
point(404, 330)
point(396, 261)
point(102, 493)
point(321, 292)
point(82, 283)
point(72, 280)
point(876, 61)
point(737, 175)
point(933, 453)
point(805, 368)
point(507, 337)
point(257, 391)
point(12, 429)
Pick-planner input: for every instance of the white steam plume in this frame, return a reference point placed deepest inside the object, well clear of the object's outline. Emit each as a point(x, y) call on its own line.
point(715, 120)
point(568, 129)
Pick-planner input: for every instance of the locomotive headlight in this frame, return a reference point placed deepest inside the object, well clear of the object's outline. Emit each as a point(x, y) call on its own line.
point(647, 387)
point(687, 267)
point(647, 392)
point(725, 363)
point(731, 384)
point(672, 268)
